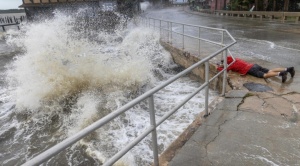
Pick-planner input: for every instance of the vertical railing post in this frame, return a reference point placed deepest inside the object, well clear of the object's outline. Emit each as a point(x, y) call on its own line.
point(182, 36)
point(168, 32)
point(160, 28)
point(171, 32)
point(222, 41)
point(207, 87)
point(224, 56)
point(225, 73)
point(154, 136)
point(199, 42)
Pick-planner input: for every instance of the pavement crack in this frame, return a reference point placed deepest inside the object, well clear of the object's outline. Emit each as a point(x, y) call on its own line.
point(219, 131)
point(264, 101)
point(243, 100)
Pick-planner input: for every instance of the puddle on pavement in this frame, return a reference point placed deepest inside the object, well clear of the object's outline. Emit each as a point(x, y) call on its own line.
point(251, 86)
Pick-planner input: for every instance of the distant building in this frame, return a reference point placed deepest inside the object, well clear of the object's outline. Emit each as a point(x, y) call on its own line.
point(46, 7)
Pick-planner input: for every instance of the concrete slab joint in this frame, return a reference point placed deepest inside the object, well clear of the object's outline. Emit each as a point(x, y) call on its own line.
point(285, 106)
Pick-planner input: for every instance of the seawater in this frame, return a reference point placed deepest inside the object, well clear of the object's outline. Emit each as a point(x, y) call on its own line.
point(55, 81)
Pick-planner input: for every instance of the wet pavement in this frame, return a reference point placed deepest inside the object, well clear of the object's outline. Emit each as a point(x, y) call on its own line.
point(271, 44)
point(248, 126)
point(271, 41)
point(256, 87)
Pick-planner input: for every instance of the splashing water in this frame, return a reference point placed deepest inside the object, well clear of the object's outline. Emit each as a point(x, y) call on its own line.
point(145, 5)
point(62, 82)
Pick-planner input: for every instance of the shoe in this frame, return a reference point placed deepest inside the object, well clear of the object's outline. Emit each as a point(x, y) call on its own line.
point(291, 70)
point(283, 75)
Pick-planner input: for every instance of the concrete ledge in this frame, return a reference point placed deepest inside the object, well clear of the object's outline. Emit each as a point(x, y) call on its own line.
point(185, 60)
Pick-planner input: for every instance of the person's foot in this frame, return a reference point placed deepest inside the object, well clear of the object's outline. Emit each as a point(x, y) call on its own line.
point(291, 70)
point(283, 75)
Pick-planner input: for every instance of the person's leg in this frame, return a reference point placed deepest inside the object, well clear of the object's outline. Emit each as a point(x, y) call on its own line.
point(261, 72)
point(272, 73)
point(277, 70)
point(291, 70)
point(262, 69)
point(257, 71)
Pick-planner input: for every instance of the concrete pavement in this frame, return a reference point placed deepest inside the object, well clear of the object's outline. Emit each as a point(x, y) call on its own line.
point(284, 26)
point(244, 128)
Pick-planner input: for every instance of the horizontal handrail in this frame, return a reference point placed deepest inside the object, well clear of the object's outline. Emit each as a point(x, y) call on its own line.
point(10, 24)
point(208, 41)
point(99, 123)
point(191, 25)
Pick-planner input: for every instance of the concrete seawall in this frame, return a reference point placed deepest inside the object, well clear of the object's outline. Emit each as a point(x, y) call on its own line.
point(186, 59)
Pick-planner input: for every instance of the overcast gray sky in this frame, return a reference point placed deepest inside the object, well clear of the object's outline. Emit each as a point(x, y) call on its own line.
point(10, 4)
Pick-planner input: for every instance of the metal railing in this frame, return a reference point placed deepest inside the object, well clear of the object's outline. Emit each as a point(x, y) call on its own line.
point(261, 14)
point(149, 95)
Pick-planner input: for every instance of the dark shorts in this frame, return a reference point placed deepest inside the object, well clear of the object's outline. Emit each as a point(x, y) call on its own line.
point(257, 71)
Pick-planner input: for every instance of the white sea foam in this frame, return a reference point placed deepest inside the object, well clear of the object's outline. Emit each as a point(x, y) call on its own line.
point(56, 65)
point(145, 5)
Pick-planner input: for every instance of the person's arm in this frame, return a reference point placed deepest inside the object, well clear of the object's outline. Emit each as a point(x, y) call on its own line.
point(229, 60)
point(230, 67)
point(220, 67)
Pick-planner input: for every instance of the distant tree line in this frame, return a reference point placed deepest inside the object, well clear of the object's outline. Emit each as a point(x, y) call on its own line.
point(12, 11)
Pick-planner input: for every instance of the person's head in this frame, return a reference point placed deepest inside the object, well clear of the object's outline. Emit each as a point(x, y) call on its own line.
point(229, 60)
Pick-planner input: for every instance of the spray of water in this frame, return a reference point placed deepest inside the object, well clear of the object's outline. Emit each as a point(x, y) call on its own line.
point(63, 80)
point(145, 5)
point(56, 65)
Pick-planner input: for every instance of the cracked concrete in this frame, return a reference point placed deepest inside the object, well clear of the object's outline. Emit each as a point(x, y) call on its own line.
point(285, 106)
point(246, 128)
point(206, 134)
